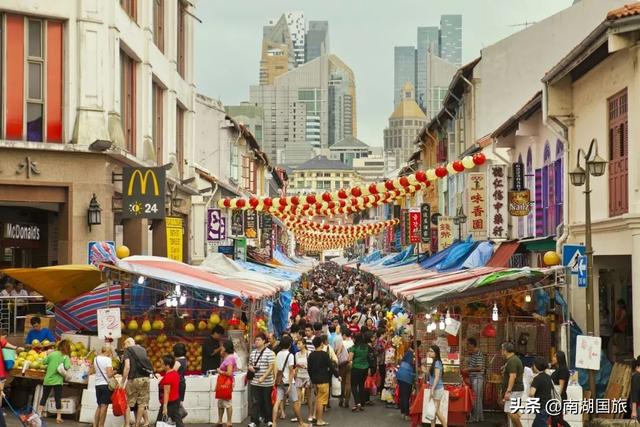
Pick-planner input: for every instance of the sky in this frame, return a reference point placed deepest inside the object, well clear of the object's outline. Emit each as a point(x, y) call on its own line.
point(362, 33)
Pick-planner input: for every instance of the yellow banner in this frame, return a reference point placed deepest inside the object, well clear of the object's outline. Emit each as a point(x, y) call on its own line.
point(174, 238)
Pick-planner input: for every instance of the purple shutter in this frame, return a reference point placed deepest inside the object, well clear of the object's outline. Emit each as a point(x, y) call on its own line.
point(539, 205)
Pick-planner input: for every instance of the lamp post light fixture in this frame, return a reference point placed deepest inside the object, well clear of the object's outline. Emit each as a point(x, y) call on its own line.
point(458, 220)
point(94, 217)
point(595, 166)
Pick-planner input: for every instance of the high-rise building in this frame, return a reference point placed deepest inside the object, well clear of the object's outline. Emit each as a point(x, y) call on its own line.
point(428, 42)
point(278, 54)
point(437, 76)
point(307, 109)
point(250, 115)
point(451, 38)
point(404, 70)
point(317, 40)
point(298, 30)
point(348, 150)
point(404, 124)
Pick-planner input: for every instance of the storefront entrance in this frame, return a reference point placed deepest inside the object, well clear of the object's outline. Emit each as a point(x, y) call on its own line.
point(615, 303)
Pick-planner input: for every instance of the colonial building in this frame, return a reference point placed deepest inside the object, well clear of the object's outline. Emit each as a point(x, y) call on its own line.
point(321, 174)
point(88, 88)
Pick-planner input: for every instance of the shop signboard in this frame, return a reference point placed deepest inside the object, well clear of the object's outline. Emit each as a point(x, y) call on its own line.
point(250, 224)
point(477, 202)
point(445, 232)
point(240, 246)
point(237, 223)
point(143, 192)
point(266, 221)
point(216, 225)
point(425, 223)
point(109, 325)
point(518, 176)
point(404, 227)
point(519, 203)
point(174, 238)
point(497, 202)
point(226, 250)
point(434, 238)
point(21, 231)
point(414, 225)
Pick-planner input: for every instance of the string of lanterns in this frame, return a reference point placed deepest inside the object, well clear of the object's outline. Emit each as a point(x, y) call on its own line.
point(314, 236)
point(355, 199)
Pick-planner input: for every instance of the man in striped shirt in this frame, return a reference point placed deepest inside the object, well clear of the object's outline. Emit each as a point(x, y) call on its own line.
point(476, 367)
point(262, 365)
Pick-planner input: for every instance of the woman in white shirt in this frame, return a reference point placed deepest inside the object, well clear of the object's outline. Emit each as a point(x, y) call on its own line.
point(103, 369)
point(302, 380)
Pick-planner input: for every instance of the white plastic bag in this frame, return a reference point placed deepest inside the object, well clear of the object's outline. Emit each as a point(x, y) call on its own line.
point(336, 387)
point(430, 410)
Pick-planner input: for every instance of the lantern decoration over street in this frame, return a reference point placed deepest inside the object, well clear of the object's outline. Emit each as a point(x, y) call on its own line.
point(94, 216)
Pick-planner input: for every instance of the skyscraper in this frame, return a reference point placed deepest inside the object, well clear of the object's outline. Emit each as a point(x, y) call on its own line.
point(404, 70)
point(307, 108)
point(278, 55)
point(451, 38)
point(404, 124)
point(298, 30)
point(317, 40)
point(428, 42)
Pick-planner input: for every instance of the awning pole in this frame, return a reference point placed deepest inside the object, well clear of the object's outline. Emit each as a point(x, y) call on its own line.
point(415, 337)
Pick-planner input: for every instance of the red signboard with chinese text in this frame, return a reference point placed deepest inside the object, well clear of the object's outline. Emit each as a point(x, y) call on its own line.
point(414, 225)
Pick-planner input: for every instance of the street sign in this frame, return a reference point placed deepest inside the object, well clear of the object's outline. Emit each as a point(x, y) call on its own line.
point(570, 254)
point(582, 271)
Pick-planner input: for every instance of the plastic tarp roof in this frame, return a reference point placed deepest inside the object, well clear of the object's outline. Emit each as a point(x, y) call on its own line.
point(60, 282)
point(457, 256)
point(414, 289)
point(373, 256)
point(400, 256)
point(278, 273)
point(221, 265)
point(168, 270)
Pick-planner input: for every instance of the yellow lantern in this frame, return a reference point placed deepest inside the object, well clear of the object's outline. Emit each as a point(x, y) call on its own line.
point(551, 258)
point(122, 252)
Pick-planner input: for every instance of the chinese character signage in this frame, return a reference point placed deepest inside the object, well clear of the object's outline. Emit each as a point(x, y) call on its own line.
point(143, 192)
point(266, 225)
point(497, 176)
point(237, 223)
point(518, 176)
point(477, 203)
point(266, 222)
point(388, 241)
point(406, 231)
point(519, 203)
point(403, 226)
point(414, 225)
point(216, 225)
point(445, 232)
point(174, 238)
point(250, 224)
point(425, 223)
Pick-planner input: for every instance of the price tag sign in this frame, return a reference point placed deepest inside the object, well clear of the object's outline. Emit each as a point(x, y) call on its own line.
point(109, 323)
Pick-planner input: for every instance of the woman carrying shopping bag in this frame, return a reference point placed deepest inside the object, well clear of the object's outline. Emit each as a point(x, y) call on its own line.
point(224, 386)
point(169, 391)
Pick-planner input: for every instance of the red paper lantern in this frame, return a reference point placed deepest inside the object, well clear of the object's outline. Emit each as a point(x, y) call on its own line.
point(441, 171)
point(237, 302)
point(281, 208)
point(326, 197)
point(479, 158)
point(267, 202)
point(241, 203)
point(332, 205)
point(253, 202)
point(342, 194)
point(311, 199)
point(458, 166)
point(318, 206)
point(421, 176)
point(326, 226)
point(227, 203)
point(404, 181)
point(342, 203)
point(295, 200)
point(373, 189)
point(389, 185)
point(283, 201)
point(356, 192)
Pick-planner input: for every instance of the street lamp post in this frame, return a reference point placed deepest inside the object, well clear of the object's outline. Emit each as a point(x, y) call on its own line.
point(596, 166)
point(458, 220)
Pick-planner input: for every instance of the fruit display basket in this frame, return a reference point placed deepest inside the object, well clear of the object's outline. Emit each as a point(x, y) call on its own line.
point(33, 374)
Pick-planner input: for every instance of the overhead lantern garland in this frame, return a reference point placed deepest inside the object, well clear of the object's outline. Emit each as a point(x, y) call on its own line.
point(355, 199)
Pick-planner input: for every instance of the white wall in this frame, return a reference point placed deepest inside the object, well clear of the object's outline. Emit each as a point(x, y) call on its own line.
point(510, 70)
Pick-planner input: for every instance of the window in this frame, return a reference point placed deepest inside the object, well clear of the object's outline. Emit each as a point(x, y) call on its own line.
point(618, 155)
point(559, 182)
point(531, 218)
point(323, 185)
point(246, 172)
point(158, 24)
point(34, 79)
point(130, 6)
point(253, 172)
point(128, 100)
point(182, 40)
point(234, 171)
point(157, 105)
point(180, 139)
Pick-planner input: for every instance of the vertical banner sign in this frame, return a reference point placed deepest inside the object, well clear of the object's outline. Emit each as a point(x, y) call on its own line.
point(143, 192)
point(414, 225)
point(477, 202)
point(174, 238)
point(240, 249)
point(388, 241)
point(237, 223)
point(266, 225)
point(425, 223)
point(445, 232)
point(404, 227)
point(498, 202)
point(216, 225)
point(434, 239)
point(519, 197)
point(250, 224)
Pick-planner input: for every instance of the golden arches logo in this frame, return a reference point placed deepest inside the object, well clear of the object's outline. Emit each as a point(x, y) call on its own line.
point(143, 182)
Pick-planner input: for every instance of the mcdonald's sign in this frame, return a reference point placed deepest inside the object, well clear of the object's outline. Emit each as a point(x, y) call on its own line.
point(143, 192)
